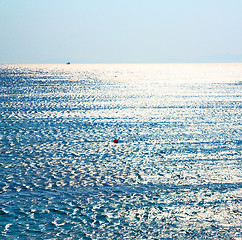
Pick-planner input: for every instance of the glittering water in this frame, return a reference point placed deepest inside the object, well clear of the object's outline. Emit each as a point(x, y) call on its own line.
point(175, 173)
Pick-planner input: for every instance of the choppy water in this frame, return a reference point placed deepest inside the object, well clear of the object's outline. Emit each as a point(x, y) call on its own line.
point(175, 173)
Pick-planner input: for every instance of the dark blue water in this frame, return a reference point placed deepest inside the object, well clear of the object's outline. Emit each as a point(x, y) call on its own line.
point(175, 173)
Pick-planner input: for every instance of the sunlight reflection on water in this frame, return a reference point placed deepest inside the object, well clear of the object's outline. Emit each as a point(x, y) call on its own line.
point(175, 173)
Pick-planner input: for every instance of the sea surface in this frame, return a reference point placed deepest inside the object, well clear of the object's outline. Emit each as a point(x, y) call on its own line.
point(174, 174)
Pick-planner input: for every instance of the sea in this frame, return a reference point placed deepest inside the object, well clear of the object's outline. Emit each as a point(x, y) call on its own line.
point(175, 172)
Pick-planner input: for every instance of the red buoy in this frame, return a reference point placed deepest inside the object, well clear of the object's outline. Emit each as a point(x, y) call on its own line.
point(115, 140)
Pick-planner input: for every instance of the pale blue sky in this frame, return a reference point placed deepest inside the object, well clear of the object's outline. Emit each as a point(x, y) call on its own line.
point(125, 31)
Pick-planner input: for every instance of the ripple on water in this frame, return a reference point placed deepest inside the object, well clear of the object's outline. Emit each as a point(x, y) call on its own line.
point(175, 172)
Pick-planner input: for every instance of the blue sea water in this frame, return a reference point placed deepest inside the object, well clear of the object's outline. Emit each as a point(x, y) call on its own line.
point(175, 173)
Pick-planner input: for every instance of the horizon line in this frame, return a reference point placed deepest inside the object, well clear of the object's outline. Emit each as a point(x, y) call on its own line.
point(109, 63)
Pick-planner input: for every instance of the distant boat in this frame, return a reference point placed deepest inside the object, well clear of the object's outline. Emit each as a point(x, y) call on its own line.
point(68, 63)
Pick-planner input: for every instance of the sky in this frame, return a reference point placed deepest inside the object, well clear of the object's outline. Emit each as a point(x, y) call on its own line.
point(120, 31)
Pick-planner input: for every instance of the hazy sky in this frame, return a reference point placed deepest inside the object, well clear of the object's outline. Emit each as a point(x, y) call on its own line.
point(113, 31)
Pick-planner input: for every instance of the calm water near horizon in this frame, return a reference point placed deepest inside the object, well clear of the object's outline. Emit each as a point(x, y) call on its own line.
point(175, 173)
